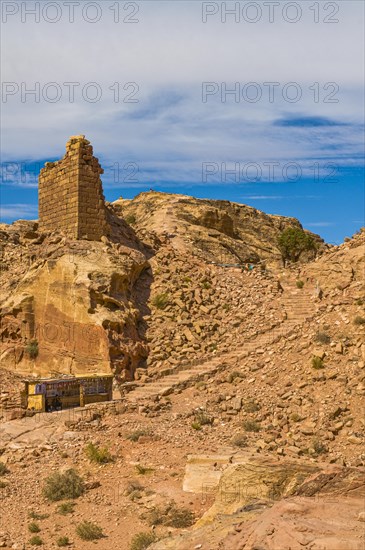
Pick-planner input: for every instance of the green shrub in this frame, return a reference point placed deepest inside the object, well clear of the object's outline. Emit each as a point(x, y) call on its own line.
point(319, 447)
point(66, 508)
point(134, 436)
point(143, 470)
point(293, 241)
point(170, 516)
point(97, 454)
point(36, 541)
point(130, 219)
point(300, 284)
point(359, 320)
point(160, 301)
point(60, 486)
point(233, 375)
point(196, 426)
point(206, 285)
point(251, 426)
point(34, 527)
point(251, 406)
point(317, 362)
point(322, 338)
point(141, 541)
point(203, 418)
point(239, 440)
point(3, 469)
point(88, 530)
point(63, 541)
point(32, 349)
point(35, 515)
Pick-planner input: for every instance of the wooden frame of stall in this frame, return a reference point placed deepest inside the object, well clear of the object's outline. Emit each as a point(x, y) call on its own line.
point(48, 394)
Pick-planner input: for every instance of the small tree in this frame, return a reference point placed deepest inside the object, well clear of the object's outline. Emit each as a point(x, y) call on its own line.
point(293, 241)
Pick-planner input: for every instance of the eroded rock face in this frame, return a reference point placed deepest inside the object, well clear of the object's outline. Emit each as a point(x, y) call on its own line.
point(74, 309)
point(266, 504)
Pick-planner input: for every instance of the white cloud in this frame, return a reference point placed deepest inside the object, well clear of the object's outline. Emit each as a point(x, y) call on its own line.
point(18, 211)
point(169, 53)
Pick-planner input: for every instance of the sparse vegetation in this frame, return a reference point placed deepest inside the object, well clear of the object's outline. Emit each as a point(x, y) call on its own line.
point(66, 508)
point(34, 527)
point(143, 470)
point(36, 541)
point(251, 426)
point(134, 436)
point(60, 486)
point(160, 301)
point(239, 440)
point(87, 530)
point(134, 489)
point(63, 541)
point(32, 349)
point(233, 375)
point(322, 338)
point(97, 454)
point(3, 469)
point(141, 541)
point(36, 515)
point(251, 406)
point(359, 302)
point(130, 219)
point(319, 447)
point(170, 516)
point(359, 320)
point(206, 285)
point(300, 284)
point(201, 419)
point(317, 362)
point(293, 241)
point(295, 417)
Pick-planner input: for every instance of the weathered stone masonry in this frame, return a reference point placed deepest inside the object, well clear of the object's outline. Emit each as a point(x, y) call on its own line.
point(70, 193)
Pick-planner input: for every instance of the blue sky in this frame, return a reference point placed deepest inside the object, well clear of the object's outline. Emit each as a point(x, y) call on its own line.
point(183, 103)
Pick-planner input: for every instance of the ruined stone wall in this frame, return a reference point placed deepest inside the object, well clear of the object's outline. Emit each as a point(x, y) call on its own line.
point(70, 193)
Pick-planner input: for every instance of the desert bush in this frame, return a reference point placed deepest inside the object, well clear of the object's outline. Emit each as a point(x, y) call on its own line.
point(359, 302)
point(97, 454)
point(87, 530)
point(32, 349)
point(251, 426)
point(206, 285)
point(36, 515)
point(141, 541)
point(322, 338)
point(317, 362)
point(134, 436)
point(143, 470)
point(60, 486)
point(33, 527)
point(233, 375)
point(160, 301)
point(293, 241)
point(319, 447)
point(3, 469)
point(130, 219)
point(63, 541)
point(36, 541)
point(239, 440)
point(251, 406)
point(170, 515)
point(3, 485)
point(359, 320)
point(300, 284)
point(66, 508)
point(203, 418)
point(295, 417)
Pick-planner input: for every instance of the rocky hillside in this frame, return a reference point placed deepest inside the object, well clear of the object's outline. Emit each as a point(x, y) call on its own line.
point(240, 414)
